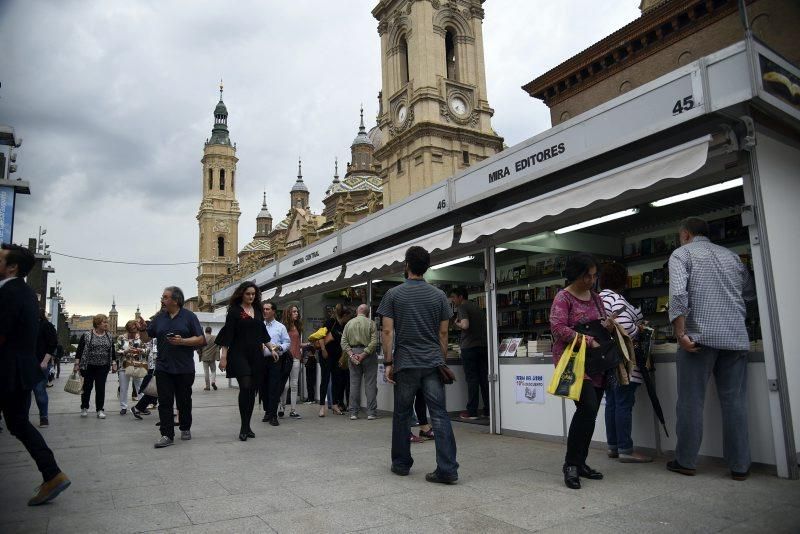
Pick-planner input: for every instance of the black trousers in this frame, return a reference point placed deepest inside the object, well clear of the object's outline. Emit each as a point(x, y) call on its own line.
point(174, 389)
point(311, 382)
point(14, 406)
point(145, 400)
point(58, 367)
point(581, 427)
point(421, 407)
point(341, 384)
point(94, 376)
point(324, 379)
point(271, 386)
point(476, 373)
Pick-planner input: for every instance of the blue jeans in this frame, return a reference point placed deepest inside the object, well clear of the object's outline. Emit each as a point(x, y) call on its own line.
point(408, 381)
point(40, 394)
point(619, 405)
point(730, 374)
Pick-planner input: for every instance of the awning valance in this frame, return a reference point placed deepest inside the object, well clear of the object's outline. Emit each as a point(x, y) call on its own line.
point(676, 162)
point(438, 240)
point(311, 281)
point(268, 294)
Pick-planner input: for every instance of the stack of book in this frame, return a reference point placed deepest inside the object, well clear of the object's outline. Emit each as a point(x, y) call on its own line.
point(540, 346)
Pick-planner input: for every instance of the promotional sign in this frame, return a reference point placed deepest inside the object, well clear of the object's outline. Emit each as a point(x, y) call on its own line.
point(529, 389)
point(382, 375)
point(6, 214)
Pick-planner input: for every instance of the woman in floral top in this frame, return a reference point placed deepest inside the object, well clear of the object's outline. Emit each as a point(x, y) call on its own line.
point(578, 303)
point(131, 352)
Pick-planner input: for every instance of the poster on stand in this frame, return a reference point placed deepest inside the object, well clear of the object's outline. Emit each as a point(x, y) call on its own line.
point(529, 389)
point(382, 376)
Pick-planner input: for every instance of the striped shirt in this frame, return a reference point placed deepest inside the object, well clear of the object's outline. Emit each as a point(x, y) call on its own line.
point(627, 317)
point(709, 285)
point(417, 309)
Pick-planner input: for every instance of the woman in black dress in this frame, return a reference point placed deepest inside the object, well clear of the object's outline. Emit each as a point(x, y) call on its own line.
point(339, 376)
point(244, 338)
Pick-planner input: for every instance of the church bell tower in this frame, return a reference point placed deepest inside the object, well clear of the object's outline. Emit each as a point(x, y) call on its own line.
point(434, 113)
point(219, 212)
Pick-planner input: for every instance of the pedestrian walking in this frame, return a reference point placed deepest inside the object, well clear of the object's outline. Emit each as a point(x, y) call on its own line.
point(310, 363)
point(57, 360)
point(209, 355)
point(414, 325)
point(708, 287)
point(576, 304)
point(332, 352)
point(471, 322)
point(21, 369)
point(421, 411)
point(277, 346)
point(244, 340)
point(94, 358)
point(46, 344)
point(620, 398)
point(294, 327)
point(177, 332)
point(131, 351)
point(359, 343)
point(145, 401)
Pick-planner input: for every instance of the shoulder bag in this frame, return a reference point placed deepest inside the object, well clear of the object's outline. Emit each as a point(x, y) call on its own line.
point(607, 355)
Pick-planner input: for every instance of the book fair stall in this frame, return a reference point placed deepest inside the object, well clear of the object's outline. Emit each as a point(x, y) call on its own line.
point(717, 139)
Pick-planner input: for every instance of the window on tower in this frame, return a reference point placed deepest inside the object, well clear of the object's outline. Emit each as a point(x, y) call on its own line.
point(222, 179)
point(403, 60)
point(210, 179)
point(221, 246)
point(233, 176)
point(450, 54)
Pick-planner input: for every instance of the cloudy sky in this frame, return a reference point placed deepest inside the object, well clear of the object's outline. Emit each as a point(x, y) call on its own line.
point(114, 101)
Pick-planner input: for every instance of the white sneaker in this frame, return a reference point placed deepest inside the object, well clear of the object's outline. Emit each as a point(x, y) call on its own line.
point(101, 414)
point(84, 412)
point(371, 417)
point(353, 417)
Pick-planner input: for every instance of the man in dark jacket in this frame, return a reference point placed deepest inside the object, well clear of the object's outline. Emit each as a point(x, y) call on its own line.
point(19, 367)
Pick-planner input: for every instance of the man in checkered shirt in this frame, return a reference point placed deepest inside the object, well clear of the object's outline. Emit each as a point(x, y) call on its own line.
point(708, 287)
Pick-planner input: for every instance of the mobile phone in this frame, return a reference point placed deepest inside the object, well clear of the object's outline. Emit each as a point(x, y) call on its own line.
point(172, 334)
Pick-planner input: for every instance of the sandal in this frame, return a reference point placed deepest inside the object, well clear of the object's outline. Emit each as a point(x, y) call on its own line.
point(337, 411)
point(322, 412)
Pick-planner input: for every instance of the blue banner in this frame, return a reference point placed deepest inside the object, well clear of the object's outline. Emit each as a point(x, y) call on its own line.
point(6, 213)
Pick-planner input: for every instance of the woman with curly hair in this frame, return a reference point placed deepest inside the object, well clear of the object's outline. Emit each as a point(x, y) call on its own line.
point(244, 338)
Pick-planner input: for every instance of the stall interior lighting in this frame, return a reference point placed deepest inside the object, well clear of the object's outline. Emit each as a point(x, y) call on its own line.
point(453, 262)
point(365, 283)
point(730, 184)
point(599, 220)
point(498, 250)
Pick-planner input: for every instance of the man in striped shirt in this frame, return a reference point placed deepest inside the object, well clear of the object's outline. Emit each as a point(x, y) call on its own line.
point(415, 320)
point(708, 287)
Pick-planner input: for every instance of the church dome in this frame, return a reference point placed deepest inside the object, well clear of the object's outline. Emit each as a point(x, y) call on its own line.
point(375, 137)
point(299, 185)
point(362, 138)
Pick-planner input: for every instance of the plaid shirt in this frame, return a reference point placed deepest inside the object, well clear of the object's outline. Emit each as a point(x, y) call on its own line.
point(708, 285)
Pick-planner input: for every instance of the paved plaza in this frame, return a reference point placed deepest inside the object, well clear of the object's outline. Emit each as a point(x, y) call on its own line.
point(332, 475)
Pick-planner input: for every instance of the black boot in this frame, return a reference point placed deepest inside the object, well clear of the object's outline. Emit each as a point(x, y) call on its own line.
point(587, 472)
point(571, 479)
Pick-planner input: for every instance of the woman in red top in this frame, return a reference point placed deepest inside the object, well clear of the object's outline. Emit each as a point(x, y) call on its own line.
point(578, 303)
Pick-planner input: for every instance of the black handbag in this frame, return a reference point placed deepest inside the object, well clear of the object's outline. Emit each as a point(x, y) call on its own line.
point(607, 355)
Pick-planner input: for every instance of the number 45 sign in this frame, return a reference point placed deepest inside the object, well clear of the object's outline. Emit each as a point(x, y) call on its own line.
point(683, 105)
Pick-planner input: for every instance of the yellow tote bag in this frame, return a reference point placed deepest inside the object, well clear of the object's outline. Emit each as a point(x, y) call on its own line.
point(567, 381)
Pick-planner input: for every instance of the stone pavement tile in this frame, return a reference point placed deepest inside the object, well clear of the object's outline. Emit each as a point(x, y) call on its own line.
point(509, 485)
point(431, 499)
point(144, 495)
point(332, 518)
point(242, 525)
point(15, 508)
point(784, 518)
point(543, 509)
point(589, 525)
point(108, 479)
point(106, 519)
point(320, 493)
point(456, 522)
point(28, 526)
point(667, 514)
point(235, 506)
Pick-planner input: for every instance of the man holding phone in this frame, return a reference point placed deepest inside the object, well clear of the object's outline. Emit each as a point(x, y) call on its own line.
point(178, 333)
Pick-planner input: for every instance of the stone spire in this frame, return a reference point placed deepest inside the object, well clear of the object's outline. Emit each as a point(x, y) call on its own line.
point(219, 133)
point(299, 193)
point(336, 170)
point(263, 219)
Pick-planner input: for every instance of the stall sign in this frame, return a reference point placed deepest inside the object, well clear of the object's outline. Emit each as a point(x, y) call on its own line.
point(309, 256)
point(529, 389)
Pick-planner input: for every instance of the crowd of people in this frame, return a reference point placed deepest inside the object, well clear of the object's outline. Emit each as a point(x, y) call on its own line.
point(156, 358)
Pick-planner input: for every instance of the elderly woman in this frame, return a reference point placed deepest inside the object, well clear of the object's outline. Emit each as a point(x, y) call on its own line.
point(94, 357)
point(575, 304)
point(131, 354)
point(177, 332)
point(620, 397)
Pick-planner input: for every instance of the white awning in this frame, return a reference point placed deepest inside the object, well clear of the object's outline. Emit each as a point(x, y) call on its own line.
point(311, 281)
point(438, 240)
point(268, 294)
point(676, 162)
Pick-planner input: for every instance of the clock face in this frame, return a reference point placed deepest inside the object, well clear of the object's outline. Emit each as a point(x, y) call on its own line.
point(402, 112)
point(458, 105)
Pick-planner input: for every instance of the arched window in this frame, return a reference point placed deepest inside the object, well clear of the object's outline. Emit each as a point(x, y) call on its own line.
point(450, 54)
point(221, 246)
point(403, 60)
point(222, 179)
point(210, 179)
